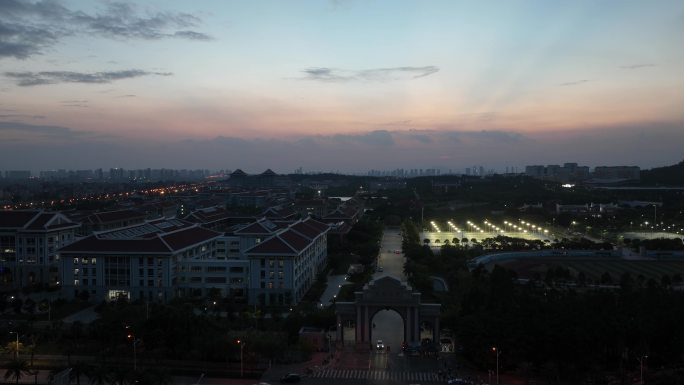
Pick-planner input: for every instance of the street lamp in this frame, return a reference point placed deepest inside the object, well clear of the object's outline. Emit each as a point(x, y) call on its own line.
point(498, 353)
point(16, 346)
point(641, 368)
point(134, 341)
point(242, 347)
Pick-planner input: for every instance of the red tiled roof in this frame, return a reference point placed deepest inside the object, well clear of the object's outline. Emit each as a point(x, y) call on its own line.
point(295, 240)
point(97, 245)
point(146, 243)
point(320, 226)
point(185, 238)
point(16, 219)
point(51, 221)
point(40, 221)
point(273, 245)
point(34, 220)
point(305, 230)
point(211, 215)
point(254, 228)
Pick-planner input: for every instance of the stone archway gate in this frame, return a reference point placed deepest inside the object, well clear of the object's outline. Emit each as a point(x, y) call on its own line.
point(386, 293)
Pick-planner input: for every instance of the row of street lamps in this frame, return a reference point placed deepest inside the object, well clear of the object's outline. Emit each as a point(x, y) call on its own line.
point(497, 351)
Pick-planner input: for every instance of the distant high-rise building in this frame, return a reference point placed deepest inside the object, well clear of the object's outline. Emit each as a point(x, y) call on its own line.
point(617, 172)
point(17, 174)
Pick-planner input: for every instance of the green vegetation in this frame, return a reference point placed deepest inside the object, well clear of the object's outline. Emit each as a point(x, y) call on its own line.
point(546, 328)
point(667, 176)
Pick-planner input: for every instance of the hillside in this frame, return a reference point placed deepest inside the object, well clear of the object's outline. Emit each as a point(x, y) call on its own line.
point(664, 176)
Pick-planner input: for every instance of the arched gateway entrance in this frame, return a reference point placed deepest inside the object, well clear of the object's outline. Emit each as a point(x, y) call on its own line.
point(387, 293)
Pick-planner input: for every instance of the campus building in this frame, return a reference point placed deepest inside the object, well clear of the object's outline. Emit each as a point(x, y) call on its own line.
point(264, 262)
point(29, 240)
point(284, 266)
point(149, 261)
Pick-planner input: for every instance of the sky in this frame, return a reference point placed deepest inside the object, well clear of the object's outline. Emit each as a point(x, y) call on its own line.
point(343, 86)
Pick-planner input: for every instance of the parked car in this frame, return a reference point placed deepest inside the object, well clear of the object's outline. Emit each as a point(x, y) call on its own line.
point(290, 378)
point(457, 381)
point(412, 351)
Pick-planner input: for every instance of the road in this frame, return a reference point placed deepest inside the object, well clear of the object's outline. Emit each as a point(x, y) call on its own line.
point(382, 367)
point(390, 258)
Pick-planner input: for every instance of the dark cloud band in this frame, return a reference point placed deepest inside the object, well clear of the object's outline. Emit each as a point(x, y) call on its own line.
point(27, 28)
point(27, 79)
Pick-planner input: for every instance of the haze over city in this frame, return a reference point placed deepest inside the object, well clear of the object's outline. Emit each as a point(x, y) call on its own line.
point(340, 85)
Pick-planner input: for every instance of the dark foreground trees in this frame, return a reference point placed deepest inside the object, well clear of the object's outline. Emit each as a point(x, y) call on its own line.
point(549, 330)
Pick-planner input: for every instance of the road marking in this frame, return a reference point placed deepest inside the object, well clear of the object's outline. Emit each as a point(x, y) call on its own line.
point(376, 375)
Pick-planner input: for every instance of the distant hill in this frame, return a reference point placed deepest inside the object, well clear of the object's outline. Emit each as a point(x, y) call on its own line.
point(664, 176)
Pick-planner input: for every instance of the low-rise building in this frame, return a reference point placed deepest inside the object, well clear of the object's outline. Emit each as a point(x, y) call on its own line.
point(284, 266)
point(142, 262)
point(264, 262)
point(29, 240)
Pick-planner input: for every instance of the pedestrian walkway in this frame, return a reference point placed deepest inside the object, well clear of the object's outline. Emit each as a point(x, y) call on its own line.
point(375, 375)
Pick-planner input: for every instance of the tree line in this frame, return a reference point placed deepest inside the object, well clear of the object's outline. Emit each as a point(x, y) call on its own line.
point(559, 333)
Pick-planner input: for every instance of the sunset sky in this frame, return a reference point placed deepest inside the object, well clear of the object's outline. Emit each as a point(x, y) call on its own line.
point(342, 86)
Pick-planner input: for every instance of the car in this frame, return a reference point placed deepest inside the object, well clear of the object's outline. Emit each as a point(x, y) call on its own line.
point(380, 269)
point(397, 252)
point(457, 381)
point(412, 351)
point(380, 345)
point(290, 378)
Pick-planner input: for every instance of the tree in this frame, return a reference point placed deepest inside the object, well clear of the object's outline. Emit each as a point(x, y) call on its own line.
point(78, 369)
point(120, 375)
point(16, 369)
point(14, 347)
point(99, 375)
point(606, 279)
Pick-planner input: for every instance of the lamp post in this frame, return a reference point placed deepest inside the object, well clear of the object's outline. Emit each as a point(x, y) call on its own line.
point(134, 341)
point(498, 353)
point(641, 368)
point(16, 346)
point(242, 347)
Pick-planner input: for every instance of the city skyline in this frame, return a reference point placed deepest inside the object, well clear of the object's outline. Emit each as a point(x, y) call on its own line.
point(347, 86)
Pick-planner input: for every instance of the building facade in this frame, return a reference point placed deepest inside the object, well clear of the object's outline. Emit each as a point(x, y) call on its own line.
point(29, 240)
point(284, 266)
point(169, 258)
